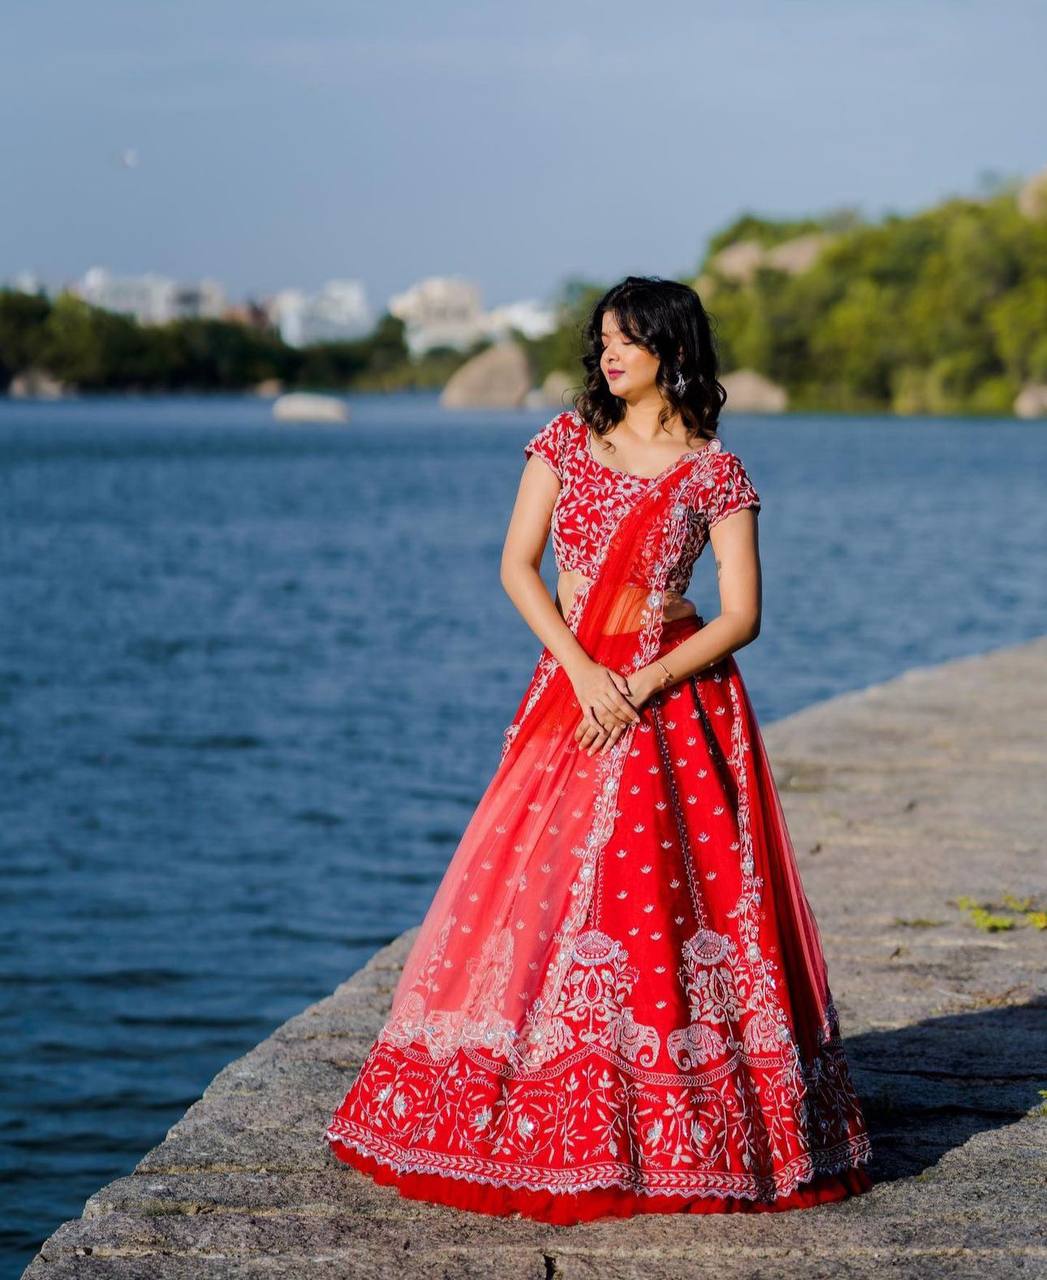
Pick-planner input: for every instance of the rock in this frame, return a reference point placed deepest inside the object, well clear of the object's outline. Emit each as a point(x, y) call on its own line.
point(498, 378)
point(741, 260)
point(1032, 196)
point(268, 387)
point(554, 393)
point(305, 406)
point(704, 285)
point(797, 255)
point(750, 392)
point(37, 384)
point(1031, 401)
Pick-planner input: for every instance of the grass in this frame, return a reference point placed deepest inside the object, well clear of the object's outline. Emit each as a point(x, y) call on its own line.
point(1008, 913)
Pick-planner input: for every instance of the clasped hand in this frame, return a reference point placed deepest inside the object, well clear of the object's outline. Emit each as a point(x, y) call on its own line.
point(609, 703)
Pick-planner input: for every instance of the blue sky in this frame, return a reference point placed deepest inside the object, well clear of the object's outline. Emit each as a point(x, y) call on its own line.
point(518, 145)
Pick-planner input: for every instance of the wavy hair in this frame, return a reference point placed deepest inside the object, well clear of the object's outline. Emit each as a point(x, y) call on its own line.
point(667, 319)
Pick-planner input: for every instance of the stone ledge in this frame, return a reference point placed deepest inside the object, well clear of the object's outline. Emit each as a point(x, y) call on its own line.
point(899, 798)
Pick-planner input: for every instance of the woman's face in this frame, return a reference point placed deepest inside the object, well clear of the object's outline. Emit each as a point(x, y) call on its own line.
point(630, 371)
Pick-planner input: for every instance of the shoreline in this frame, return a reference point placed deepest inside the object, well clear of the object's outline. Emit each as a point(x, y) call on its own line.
point(904, 799)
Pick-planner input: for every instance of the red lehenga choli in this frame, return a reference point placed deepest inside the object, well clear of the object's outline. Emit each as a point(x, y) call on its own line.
point(617, 1002)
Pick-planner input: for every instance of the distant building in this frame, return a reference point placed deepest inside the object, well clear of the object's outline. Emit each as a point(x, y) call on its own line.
point(151, 299)
point(250, 314)
point(441, 311)
point(446, 311)
point(203, 301)
point(338, 313)
point(25, 282)
point(532, 319)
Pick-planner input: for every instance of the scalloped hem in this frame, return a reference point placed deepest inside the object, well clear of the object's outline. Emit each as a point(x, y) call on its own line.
point(566, 1209)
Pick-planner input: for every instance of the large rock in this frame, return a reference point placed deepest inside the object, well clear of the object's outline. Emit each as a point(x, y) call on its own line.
point(554, 393)
point(750, 392)
point(37, 384)
point(741, 260)
point(1032, 196)
point(268, 388)
point(798, 254)
point(1031, 401)
point(305, 406)
point(498, 378)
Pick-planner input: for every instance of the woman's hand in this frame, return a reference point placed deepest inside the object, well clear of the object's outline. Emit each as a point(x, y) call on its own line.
point(607, 699)
point(592, 736)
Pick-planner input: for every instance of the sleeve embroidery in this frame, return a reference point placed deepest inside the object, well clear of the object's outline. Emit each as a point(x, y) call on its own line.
point(548, 445)
point(734, 490)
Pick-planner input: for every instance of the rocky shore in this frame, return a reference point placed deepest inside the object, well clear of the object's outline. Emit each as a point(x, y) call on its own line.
point(918, 813)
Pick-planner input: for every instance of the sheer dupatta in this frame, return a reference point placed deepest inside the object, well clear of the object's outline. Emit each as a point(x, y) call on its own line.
point(488, 965)
point(486, 968)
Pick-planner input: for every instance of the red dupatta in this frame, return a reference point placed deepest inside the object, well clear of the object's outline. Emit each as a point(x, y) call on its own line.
point(487, 967)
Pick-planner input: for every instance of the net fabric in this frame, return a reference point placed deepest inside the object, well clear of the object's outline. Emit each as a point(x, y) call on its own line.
point(491, 956)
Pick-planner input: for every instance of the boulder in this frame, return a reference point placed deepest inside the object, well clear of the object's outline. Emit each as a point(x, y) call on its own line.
point(554, 393)
point(1031, 401)
point(37, 384)
point(268, 387)
point(305, 406)
point(798, 254)
point(498, 378)
point(750, 392)
point(741, 260)
point(1032, 196)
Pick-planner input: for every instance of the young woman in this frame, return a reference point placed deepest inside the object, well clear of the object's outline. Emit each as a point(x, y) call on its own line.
point(617, 1002)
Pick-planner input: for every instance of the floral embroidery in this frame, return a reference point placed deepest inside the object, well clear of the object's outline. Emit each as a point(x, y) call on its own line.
point(592, 1009)
point(669, 1067)
point(592, 497)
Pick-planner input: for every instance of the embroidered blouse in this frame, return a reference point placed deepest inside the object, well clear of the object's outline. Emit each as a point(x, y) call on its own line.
point(593, 497)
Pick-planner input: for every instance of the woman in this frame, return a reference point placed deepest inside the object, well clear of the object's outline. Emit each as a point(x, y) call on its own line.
point(617, 1002)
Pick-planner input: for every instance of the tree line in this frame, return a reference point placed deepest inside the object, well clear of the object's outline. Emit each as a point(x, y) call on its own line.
point(944, 311)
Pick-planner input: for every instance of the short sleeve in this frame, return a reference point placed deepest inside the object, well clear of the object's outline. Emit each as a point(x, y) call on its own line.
point(732, 491)
point(548, 444)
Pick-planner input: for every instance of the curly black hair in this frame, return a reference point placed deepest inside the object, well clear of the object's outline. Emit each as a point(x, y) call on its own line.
point(667, 319)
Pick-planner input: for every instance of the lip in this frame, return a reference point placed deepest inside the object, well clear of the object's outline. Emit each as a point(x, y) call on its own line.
point(615, 373)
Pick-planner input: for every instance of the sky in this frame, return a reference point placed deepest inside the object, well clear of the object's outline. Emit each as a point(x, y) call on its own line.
point(280, 145)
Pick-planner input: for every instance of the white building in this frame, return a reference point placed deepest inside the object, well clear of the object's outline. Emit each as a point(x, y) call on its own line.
point(338, 313)
point(151, 299)
point(441, 311)
point(446, 311)
point(26, 282)
point(531, 318)
point(204, 301)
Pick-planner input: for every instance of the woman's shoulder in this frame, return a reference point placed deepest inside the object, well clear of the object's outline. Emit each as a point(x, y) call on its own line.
point(726, 485)
point(556, 439)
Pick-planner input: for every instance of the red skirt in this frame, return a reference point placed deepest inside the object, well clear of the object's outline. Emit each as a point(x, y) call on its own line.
point(698, 1065)
point(567, 1208)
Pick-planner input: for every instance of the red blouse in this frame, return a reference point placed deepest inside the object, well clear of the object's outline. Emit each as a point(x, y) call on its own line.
point(593, 497)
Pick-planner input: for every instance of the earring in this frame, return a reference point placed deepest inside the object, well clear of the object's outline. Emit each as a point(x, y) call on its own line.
point(680, 385)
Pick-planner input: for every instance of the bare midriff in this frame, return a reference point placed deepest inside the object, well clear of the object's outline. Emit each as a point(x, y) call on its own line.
point(570, 581)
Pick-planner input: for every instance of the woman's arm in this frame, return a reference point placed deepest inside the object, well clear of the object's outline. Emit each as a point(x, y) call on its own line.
point(597, 687)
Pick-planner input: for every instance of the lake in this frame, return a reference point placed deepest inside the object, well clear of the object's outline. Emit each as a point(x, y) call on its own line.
point(254, 679)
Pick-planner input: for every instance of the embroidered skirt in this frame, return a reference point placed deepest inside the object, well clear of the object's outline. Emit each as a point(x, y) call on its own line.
point(691, 1073)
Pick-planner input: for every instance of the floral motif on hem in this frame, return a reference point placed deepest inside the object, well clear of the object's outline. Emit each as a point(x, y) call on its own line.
point(599, 1121)
point(846, 1155)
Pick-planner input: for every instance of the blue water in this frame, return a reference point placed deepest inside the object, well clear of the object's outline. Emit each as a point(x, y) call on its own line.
point(253, 681)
